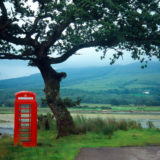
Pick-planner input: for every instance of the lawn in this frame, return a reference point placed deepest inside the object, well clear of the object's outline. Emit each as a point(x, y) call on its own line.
point(97, 132)
point(49, 148)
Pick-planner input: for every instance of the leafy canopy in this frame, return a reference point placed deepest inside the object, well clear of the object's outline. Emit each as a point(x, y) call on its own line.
point(37, 29)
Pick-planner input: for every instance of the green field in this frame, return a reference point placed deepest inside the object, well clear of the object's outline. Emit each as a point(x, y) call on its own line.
point(118, 82)
point(101, 107)
point(67, 148)
point(94, 107)
point(94, 131)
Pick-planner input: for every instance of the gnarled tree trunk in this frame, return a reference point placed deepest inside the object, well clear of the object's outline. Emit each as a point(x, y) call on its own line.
point(64, 121)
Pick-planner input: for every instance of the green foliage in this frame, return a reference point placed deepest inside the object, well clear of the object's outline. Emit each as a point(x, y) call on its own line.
point(150, 124)
point(66, 102)
point(67, 148)
point(100, 24)
point(44, 102)
point(46, 122)
point(109, 130)
point(104, 126)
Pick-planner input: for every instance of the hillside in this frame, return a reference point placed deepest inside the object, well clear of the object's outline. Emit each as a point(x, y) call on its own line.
point(110, 84)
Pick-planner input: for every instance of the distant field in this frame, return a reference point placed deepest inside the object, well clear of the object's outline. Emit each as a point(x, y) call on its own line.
point(108, 107)
point(93, 107)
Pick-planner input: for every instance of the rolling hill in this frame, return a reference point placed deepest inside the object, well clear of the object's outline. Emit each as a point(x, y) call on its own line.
point(109, 84)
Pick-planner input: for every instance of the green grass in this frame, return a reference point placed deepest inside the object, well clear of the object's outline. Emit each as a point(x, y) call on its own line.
point(98, 133)
point(2, 121)
point(117, 108)
point(135, 108)
point(9, 110)
point(6, 110)
point(118, 82)
point(67, 148)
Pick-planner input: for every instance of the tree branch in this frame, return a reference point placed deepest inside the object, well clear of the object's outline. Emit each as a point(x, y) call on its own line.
point(73, 51)
point(6, 25)
point(58, 30)
point(4, 10)
point(37, 19)
point(111, 42)
point(18, 41)
point(56, 34)
point(12, 56)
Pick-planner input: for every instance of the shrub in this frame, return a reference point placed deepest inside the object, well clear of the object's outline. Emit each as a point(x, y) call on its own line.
point(150, 124)
point(46, 121)
point(113, 123)
point(109, 130)
point(96, 125)
point(123, 125)
point(134, 125)
point(81, 123)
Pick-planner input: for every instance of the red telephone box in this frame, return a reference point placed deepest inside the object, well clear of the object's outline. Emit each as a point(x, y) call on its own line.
point(25, 122)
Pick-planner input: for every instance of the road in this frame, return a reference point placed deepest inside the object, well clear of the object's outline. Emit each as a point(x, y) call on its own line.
point(121, 153)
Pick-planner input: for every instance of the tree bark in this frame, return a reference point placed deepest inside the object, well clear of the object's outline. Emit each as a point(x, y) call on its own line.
point(64, 121)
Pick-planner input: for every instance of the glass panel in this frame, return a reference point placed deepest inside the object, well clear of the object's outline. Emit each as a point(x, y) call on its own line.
point(25, 115)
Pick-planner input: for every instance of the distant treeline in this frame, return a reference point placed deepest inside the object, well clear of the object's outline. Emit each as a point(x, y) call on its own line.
point(113, 97)
point(116, 97)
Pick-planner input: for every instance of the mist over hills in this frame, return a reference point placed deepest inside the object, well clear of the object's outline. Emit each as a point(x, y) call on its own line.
point(79, 75)
point(117, 84)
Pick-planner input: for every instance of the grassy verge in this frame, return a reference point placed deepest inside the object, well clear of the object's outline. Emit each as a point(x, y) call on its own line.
point(67, 148)
point(96, 133)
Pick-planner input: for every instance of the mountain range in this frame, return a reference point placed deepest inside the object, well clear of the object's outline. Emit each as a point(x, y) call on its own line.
point(98, 84)
point(115, 74)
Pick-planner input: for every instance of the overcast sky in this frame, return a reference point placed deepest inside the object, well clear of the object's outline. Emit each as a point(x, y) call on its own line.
point(87, 58)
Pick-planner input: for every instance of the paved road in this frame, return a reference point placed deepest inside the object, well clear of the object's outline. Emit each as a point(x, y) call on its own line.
point(122, 153)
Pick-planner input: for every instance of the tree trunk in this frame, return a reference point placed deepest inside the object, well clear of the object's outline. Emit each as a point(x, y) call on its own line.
point(64, 121)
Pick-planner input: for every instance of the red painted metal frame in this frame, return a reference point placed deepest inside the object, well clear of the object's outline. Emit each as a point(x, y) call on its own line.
point(25, 120)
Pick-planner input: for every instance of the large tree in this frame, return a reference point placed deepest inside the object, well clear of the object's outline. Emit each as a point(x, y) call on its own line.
point(47, 32)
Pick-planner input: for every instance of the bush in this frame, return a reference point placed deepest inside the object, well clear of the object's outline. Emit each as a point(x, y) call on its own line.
point(123, 125)
point(81, 124)
point(150, 124)
point(109, 130)
point(46, 121)
point(134, 125)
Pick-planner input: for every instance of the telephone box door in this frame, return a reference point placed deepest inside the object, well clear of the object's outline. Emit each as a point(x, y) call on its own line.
point(25, 129)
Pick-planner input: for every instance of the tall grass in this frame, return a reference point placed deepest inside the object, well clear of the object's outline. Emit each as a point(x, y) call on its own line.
point(150, 124)
point(46, 122)
point(94, 125)
point(105, 126)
